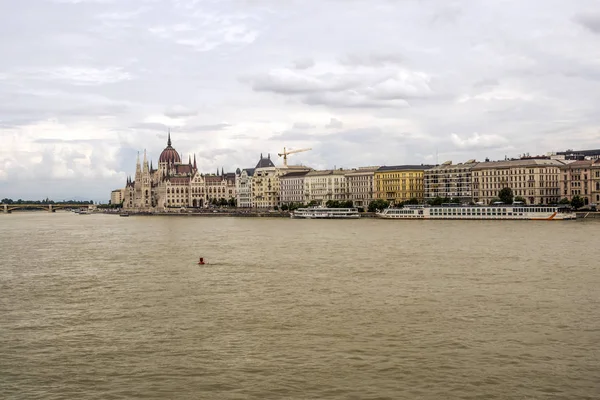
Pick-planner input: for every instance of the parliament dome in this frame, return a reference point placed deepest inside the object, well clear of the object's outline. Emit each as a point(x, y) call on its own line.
point(169, 154)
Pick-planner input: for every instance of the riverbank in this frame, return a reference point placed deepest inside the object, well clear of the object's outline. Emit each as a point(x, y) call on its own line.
point(238, 214)
point(588, 214)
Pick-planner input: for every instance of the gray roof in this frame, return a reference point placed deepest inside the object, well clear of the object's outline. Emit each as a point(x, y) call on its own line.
point(249, 171)
point(595, 152)
point(295, 174)
point(265, 162)
point(448, 166)
point(404, 167)
point(328, 172)
point(518, 163)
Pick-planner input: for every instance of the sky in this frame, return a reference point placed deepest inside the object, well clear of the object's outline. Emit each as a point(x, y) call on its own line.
point(87, 84)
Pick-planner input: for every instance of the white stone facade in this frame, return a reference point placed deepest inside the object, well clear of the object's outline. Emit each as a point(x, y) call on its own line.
point(449, 181)
point(292, 187)
point(536, 180)
point(243, 187)
point(321, 186)
point(174, 184)
point(361, 186)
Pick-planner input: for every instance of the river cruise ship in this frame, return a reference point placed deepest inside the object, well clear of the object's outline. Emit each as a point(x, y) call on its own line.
point(325, 213)
point(496, 212)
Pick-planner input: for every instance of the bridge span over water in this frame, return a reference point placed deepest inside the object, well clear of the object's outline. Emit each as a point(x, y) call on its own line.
point(7, 208)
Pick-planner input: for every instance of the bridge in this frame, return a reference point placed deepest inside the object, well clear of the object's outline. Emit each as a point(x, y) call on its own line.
point(46, 207)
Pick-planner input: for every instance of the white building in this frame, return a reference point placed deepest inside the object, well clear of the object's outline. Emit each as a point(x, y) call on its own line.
point(321, 186)
point(292, 187)
point(536, 180)
point(243, 187)
point(361, 186)
point(174, 184)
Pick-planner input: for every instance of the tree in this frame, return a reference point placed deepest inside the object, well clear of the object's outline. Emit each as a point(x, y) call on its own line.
point(232, 202)
point(506, 195)
point(564, 201)
point(436, 201)
point(577, 202)
point(332, 204)
point(378, 204)
point(519, 198)
point(284, 207)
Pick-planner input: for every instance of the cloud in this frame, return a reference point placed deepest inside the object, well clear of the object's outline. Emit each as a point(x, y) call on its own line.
point(205, 31)
point(477, 141)
point(589, 21)
point(302, 125)
point(208, 128)
point(304, 63)
point(179, 111)
point(371, 85)
point(78, 75)
point(371, 60)
point(102, 80)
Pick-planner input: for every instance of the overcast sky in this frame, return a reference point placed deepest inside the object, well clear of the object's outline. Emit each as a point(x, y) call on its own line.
point(86, 84)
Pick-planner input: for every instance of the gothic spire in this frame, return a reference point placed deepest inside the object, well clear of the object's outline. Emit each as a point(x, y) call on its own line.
point(190, 160)
point(169, 139)
point(222, 171)
point(195, 167)
point(145, 162)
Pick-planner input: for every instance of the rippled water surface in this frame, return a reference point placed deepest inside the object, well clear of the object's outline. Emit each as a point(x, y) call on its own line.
point(102, 307)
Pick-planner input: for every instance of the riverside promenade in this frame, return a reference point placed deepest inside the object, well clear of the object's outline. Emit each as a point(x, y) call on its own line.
point(222, 213)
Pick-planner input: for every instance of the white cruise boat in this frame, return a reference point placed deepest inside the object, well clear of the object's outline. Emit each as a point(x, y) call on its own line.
point(497, 212)
point(325, 213)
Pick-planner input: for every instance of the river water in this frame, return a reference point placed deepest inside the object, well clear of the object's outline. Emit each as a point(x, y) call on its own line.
point(102, 307)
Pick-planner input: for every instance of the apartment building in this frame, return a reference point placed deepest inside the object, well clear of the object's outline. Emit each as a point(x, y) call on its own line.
point(265, 184)
point(400, 183)
point(361, 186)
point(291, 185)
point(449, 181)
point(117, 196)
point(536, 180)
point(321, 186)
point(581, 178)
point(243, 187)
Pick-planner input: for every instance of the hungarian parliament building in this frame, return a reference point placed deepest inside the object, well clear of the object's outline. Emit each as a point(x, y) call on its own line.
point(174, 185)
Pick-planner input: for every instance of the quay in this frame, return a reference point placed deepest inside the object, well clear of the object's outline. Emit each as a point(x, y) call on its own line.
point(237, 214)
point(588, 214)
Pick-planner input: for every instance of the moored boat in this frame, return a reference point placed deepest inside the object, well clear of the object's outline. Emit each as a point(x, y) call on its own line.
point(325, 213)
point(494, 212)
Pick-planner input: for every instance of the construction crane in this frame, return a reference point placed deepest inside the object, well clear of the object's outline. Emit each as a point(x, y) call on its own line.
point(286, 153)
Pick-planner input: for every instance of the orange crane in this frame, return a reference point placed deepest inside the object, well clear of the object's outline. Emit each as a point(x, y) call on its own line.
point(286, 153)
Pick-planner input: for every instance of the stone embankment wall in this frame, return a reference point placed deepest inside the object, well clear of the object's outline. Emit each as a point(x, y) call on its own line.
point(588, 214)
point(241, 214)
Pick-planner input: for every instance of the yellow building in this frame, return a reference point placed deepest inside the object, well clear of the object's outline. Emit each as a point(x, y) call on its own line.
point(117, 196)
point(400, 183)
point(266, 185)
